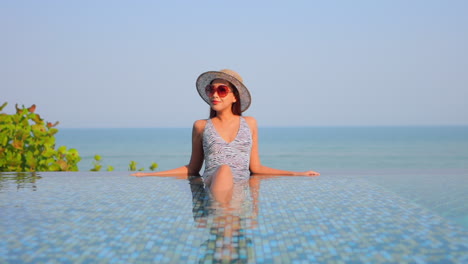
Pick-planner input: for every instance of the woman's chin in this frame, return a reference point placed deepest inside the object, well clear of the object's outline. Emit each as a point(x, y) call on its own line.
point(216, 107)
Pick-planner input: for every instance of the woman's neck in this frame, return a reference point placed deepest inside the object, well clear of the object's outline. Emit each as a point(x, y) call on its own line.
point(225, 116)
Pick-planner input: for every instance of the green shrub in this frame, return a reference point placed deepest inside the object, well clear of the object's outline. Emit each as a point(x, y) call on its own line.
point(97, 164)
point(133, 166)
point(153, 166)
point(27, 143)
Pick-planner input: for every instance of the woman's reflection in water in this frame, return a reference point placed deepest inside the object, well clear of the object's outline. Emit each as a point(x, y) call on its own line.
point(229, 224)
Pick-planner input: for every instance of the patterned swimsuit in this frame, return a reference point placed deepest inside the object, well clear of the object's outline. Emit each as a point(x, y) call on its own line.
point(235, 154)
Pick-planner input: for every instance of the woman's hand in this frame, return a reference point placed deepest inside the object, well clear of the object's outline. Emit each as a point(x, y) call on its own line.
point(308, 173)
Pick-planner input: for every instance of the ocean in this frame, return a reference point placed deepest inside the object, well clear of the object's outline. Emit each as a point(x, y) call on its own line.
point(307, 148)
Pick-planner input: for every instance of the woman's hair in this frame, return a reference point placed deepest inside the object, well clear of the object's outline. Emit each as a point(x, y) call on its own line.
point(236, 107)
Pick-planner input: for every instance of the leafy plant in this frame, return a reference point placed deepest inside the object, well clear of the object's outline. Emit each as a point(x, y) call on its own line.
point(133, 166)
point(153, 166)
point(97, 164)
point(27, 143)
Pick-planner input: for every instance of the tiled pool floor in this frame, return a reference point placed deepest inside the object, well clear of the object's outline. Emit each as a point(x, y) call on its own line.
point(112, 217)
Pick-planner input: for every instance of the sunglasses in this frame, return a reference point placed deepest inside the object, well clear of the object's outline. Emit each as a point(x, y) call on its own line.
point(221, 90)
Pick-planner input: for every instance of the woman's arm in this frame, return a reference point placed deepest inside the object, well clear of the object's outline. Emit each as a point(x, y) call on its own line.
point(256, 166)
point(196, 159)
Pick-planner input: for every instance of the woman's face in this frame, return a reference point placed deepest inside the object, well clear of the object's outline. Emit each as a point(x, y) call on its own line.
point(218, 102)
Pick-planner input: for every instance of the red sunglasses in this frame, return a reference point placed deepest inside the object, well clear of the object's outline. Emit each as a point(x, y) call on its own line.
point(221, 90)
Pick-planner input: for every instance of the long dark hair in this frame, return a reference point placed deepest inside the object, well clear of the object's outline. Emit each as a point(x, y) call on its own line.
point(236, 107)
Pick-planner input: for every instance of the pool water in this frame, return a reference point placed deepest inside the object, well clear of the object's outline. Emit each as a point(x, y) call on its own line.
point(339, 217)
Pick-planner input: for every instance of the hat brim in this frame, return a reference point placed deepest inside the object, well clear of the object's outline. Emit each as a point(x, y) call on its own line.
point(206, 78)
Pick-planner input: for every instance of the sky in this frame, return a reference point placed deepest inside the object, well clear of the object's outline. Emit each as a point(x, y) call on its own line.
point(106, 64)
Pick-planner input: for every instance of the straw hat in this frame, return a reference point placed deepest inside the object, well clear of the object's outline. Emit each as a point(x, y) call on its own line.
point(229, 75)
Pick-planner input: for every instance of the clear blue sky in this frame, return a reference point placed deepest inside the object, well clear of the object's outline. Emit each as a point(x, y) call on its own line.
point(307, 63)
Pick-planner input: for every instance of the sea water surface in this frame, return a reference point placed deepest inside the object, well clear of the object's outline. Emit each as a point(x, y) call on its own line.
point(317, 148)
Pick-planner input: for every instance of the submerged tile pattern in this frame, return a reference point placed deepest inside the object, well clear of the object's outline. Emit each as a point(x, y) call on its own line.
point(114, 218)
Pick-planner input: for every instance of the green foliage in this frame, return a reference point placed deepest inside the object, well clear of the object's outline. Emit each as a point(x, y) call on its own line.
point(27, 143)
point(132, 166)
point(153, 166)
point(97, 164)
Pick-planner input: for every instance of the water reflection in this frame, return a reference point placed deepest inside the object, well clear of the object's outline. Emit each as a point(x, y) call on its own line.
point(229, 226)
point(20, 180)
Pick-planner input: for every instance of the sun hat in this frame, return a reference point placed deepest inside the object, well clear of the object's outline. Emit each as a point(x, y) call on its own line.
point(229, 75)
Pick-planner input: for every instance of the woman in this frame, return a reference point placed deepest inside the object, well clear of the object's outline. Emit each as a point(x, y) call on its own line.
point(227, 142)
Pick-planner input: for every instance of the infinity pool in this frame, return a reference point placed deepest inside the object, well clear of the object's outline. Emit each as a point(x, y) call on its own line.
point(86, 217)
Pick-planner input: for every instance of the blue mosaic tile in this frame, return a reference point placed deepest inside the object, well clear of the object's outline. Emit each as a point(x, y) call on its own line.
point(112, 217)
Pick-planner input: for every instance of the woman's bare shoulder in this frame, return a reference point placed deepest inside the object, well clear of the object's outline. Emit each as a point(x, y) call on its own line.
point(199, 125)
point(251, 121)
